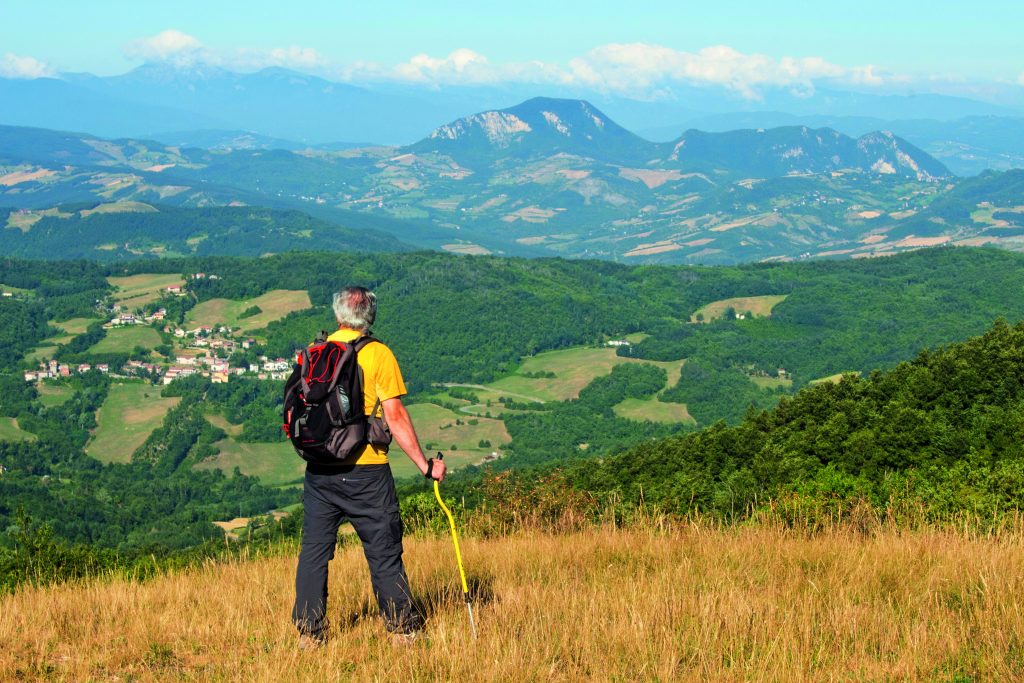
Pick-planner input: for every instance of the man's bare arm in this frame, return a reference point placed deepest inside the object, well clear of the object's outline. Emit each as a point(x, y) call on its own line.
point(405, 435)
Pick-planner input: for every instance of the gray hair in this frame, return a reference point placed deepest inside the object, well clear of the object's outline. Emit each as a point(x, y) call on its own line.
point(355, 308)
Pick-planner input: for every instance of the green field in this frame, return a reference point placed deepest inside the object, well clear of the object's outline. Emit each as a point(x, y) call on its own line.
point(436, 426)
point(759, 306)
point(772, 382)
point(124, 339)
point(654, 410)
point(138, 290)
point(274, 305)
point(574, 369)
point(127, 417)
point(51, 395)
point(10, 431)
point(834, 379)
point(75, 326)
point(41, 353)
point(274, 463)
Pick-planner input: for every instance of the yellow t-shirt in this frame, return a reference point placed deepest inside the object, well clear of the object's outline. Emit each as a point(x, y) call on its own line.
point(381, 380)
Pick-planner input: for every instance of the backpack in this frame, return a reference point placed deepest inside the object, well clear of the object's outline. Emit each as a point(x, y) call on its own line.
point(324, 416)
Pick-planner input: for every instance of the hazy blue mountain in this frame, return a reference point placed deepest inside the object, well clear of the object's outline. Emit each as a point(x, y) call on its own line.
point(288, 105)
point(798, 149)
point(224, 140)
point(967, 145)
point(66, 105)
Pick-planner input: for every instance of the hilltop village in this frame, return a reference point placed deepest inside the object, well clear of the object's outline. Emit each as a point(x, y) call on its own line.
point(205, 350)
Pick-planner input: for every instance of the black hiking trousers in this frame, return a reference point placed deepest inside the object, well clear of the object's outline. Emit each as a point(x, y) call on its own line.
point(365, 495)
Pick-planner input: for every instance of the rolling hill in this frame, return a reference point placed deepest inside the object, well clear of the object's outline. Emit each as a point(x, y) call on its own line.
point(555, 177)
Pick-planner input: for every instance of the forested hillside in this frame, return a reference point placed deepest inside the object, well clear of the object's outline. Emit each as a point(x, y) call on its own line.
point(936, 438)
point(138, 230)
point(706, 345)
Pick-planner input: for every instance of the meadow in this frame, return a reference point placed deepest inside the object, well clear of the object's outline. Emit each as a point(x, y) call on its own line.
point(124, 339)
point(273, 305)
point(10, 431)
point(682, 602)
point(127, 417)
point(134, 291)
point(758, 306)
point(276, 464)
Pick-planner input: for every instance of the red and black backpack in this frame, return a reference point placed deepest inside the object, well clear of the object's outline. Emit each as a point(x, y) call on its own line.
point(324, 414)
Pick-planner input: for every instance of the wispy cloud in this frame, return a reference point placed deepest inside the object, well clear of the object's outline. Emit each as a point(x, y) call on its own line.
point(18, 66)
point(168, 46)
point(628, 68)
point(635, 69)
point(175, 47)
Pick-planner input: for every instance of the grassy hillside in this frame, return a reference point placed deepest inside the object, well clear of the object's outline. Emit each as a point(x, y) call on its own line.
point(127, 417)
point(104, 232)
point(666, 603)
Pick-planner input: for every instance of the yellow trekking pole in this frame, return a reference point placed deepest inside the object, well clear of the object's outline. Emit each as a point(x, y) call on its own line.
point(458, 553)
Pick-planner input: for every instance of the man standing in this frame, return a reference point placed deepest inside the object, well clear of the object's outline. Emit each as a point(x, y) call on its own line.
point(361, 489)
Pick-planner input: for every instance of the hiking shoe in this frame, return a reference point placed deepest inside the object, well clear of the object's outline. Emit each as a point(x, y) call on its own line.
point(311, 642)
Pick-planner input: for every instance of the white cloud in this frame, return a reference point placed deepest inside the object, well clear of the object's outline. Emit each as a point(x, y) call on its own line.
point(174, 47)
point(637, 69)
point(167, 46)
point(17, 66)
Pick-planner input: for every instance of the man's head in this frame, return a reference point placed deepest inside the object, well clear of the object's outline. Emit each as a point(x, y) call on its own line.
point(355, 308)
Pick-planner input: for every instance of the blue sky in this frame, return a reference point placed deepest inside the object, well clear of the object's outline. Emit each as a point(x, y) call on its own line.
point(870, 43)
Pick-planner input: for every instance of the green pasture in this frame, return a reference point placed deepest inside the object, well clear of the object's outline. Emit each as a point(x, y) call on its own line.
point(653, 410)
point(759, 306)
point(51, 395)
point(134, 291)
point(10, 431)
point(130, 413)
point(274, 305)
point(124, 339)
point(275, 464)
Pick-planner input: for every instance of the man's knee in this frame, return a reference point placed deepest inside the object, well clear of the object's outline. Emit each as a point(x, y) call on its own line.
point(317, 552)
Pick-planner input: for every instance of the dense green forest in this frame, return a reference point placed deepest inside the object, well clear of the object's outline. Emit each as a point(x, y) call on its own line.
point(472, 319)
point(935, 438)
point(156, 231)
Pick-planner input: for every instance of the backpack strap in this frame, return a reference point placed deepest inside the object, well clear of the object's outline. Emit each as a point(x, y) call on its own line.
point(359, 343)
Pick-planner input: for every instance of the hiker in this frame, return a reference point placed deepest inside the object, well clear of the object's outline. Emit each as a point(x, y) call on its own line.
point(361, 489)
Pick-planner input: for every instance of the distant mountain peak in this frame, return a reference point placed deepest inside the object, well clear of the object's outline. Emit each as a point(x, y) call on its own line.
point(538, 126)
point(498, 127)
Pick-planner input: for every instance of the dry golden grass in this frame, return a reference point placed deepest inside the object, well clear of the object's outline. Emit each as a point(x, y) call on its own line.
point(685, 604)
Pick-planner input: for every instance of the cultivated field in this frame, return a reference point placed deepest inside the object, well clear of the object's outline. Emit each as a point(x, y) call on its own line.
point(124, 339)
point(127, 417)
point(75, 326)
point(138, 290)
point(436, 426)
point(759, 306)
point(574, 369)
point(674, 604)
point(274, 305)
point(275, 464)
point(10, 431)
point(51, 395)
point(654, 410)
point(772, 382)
